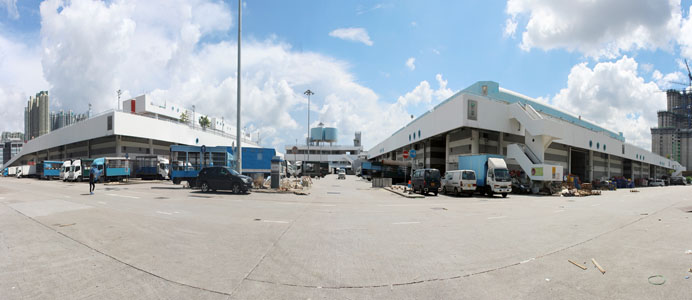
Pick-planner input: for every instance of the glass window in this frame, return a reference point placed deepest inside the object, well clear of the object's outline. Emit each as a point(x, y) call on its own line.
point(468, 176)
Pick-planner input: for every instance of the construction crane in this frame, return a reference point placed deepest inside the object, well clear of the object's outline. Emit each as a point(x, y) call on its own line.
point(689, 74)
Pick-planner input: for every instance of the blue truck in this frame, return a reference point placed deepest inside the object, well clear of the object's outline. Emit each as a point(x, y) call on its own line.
point(112, 168)
point(48, 169)
point(187, 161)
point(492, 175)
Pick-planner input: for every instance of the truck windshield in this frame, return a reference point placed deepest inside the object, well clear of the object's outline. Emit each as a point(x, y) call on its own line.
point(502, 175)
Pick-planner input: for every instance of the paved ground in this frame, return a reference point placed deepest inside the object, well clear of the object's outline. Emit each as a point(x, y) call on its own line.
point(344, 241)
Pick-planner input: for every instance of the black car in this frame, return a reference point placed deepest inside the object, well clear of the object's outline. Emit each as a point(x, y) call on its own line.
point(223, 178)
point(425, 181)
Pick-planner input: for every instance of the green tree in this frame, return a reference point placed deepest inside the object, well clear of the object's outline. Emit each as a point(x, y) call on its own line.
point(184, 117)
point(204, 121)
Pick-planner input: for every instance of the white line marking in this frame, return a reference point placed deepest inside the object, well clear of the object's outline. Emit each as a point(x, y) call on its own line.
point(528, 260)
point(595, 204)
point(163, 213)
point(2, 198)
point(328, 205)
point(270, 221)
point(404, 223)
point(101, 202)
point(123, 196)
point(426, 204)
point(500, 217)
point(560, 210)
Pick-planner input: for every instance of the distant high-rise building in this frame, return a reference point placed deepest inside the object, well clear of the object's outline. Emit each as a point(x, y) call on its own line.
point(10, 144)
point(673, 136)
point(37, 120)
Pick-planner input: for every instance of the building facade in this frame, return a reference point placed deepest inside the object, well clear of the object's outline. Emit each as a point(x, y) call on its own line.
point(535, 139)
point(37, 116)
point(338, 156)
point(10, 144)
point(673, 136)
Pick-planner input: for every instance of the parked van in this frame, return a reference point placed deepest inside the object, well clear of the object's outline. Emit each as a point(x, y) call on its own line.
point(426, 181)
point(459, 181)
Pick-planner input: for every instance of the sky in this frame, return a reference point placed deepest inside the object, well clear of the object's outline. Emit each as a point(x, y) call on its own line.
point(371, 64)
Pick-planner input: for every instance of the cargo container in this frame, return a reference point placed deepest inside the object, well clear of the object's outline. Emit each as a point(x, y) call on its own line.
point(112, 168)
point(49, 169)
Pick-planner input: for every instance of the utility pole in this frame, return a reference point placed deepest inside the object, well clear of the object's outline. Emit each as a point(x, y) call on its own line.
point(309, 93)
point(238, 148)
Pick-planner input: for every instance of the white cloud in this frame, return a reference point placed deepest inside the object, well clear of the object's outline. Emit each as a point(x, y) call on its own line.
point(11, 6)
point(424, 94)
point(647, 68)
point(670, 80)
point(20, 76)
point(596, 28)
point(510, 27)
point(89, 49)
point(360, 10)
point(410, 63)
point(414, 24)
point(613, 95)
point(355, 34)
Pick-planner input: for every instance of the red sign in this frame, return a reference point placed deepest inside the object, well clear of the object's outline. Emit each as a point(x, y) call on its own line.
point(405, 154)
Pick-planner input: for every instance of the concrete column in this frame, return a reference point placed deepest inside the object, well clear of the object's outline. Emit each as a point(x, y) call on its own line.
point(475, 141)
point(590, 165)
point(151, 147)
point(500, 141)
point(118, 146)
point(569, 160)
point(608, 165)
point(447, 151)
point(89, 148)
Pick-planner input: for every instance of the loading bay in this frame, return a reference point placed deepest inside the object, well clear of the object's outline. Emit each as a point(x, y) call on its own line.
point(345, 240)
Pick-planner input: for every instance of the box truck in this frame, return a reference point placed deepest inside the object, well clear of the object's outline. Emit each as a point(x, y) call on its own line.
point(492, 175)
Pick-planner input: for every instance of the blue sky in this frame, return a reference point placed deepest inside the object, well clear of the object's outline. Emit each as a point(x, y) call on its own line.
point(290, 49)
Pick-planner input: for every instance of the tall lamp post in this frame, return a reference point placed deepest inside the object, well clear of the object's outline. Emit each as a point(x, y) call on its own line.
point(238, 154)
point(117, 107)
point(309, 93)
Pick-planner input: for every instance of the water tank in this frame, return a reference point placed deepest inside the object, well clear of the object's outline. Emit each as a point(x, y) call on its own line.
point(317, 134)
point(329, 134)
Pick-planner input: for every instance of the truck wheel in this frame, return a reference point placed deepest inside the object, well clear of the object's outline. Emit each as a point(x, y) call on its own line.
point(176, 181)
point(504, 195)
point(456, 192)
point(435, 193)
point(444, 190)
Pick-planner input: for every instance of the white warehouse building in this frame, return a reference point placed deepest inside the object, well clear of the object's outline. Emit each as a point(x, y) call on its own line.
point(139, 129)
point(485, 118)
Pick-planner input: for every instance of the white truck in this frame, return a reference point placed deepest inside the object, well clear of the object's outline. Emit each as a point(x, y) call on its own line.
point(65, 170)
point(12, 171)
point(492, 175)
point(26, 171)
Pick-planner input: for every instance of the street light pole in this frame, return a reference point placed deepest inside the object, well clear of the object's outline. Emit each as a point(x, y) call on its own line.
point(117, 107)
point(309, 93)
point(238, 147)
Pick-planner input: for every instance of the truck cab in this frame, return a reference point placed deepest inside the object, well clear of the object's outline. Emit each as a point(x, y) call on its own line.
point(65, 170)
point(498, 180)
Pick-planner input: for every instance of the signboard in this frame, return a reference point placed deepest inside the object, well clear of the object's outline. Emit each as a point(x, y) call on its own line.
point(204, 149)
point(295, 150)
point(412, 153)
point(537, 171)
point(472, 110)
point(405, 154)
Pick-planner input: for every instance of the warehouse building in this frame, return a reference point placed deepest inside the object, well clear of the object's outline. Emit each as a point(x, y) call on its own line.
point(321, 147)
point(135, 131)
point(485, 118)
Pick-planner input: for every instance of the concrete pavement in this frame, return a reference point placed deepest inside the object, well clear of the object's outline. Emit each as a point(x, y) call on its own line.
point(343, 241)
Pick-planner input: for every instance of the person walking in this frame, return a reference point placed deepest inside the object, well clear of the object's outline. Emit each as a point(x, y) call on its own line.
point(93, 176)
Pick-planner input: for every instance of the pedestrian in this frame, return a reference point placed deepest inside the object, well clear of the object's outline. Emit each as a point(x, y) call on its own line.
point(93, 176)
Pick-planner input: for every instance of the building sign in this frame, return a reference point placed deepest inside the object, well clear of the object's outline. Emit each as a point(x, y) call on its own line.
point(472, 110)
point(537, 171)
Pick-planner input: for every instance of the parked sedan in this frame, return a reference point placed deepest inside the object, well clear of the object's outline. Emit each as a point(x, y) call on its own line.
point(223, 178)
